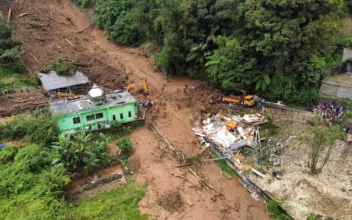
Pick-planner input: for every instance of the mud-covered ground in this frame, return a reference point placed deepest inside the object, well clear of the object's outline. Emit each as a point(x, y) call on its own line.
point(54, 29)
point(328, 193)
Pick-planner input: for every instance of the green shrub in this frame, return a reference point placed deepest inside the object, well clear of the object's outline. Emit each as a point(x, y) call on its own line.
point(125, 146)
point(63, 68)
point(81, 150)
point(9, 48)
point(8, 154)
point(275, 212)
point(32, 159)
point(37, 127)
point(30, 188)
point(84, 3)
point(313, 216)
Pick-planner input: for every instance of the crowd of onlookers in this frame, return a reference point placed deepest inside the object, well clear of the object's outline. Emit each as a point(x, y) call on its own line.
point(330, 112)
point(11, 91)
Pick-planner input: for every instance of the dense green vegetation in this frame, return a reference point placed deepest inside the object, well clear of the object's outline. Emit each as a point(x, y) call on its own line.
point(30, 187)
point(280, 49)
point(80, 151)
point(37, 127)
point(9, 48)
point(10, 67)
point(33, 178)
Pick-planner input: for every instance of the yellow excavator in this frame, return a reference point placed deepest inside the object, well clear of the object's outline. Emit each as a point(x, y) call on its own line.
point(66, 95)
point(143, 84)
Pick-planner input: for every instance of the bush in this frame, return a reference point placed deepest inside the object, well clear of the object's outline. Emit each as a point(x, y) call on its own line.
point(313, 216)
point(30, 188)
point(9, 48)
point(8, 154)
point(84, 3)
point(37, 127)
point(80, 150)
point(63, 68)
point(32, 159)
point(125, 146)
point(275, 212)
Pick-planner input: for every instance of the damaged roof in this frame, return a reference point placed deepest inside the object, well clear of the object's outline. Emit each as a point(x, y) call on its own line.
point(70, 107)
point(52, 81)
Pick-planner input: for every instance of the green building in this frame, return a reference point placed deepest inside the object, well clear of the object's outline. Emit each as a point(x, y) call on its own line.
point(95, 112)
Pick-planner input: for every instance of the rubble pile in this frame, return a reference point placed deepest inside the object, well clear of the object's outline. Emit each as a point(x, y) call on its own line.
point(231, 132)
point(273, 149)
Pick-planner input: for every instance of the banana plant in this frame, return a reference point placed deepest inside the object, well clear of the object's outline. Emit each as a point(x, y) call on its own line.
point(262, 81)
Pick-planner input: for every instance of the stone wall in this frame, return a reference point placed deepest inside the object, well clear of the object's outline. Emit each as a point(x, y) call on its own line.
point(346, 54)
point(293, 114)
point(335, 89)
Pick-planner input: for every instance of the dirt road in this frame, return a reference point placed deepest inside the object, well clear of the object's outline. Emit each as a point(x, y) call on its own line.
point(54, 29)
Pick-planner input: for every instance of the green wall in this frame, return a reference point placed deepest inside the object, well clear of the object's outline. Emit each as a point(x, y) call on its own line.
point(67, 125)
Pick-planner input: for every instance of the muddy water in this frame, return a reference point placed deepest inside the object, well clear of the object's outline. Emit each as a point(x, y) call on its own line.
point(79, 182)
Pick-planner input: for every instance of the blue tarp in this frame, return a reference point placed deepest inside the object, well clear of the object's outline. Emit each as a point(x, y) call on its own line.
point(2, 146)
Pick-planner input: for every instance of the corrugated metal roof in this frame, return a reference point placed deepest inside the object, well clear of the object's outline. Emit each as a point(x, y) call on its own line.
point(52, 81)
point(69, 107)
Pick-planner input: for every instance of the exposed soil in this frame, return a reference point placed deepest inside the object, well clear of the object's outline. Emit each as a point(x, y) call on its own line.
point(328, 193)
point(16, 103)
point(163, 176)
point(171, 201)
point(49, 31)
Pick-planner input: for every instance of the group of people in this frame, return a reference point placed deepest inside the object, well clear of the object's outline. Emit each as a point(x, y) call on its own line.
point(329, 112)
point(11, 91)
point(151, 104)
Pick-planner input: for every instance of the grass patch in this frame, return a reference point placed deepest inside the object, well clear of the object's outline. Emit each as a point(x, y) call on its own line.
point(226, 169)
point(10, 78)
point(269, 128)
point(115, 204)
point(276, 212)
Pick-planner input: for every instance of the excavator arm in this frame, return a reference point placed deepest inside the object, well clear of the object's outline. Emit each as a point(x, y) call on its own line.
point(130, 86)
point(144, 85)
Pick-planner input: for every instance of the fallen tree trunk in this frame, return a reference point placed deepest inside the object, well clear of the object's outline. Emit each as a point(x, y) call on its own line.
point(9, 15)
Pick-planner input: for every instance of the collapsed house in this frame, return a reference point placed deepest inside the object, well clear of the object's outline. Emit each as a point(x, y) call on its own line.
point(53, 83)
point(229, 134)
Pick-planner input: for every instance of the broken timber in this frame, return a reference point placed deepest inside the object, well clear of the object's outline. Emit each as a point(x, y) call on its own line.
point(181, 159)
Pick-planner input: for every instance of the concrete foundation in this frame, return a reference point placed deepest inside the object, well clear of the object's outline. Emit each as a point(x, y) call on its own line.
point(336, 89)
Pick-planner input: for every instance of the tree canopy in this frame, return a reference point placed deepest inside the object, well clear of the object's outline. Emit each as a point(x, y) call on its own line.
point(280, 48)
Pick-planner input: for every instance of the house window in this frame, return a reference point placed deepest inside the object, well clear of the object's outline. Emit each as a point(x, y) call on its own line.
point(90, 117)
point(76, 120)
point(129, 114)
point(121, 115)
point(99, 116)
point(114, 117)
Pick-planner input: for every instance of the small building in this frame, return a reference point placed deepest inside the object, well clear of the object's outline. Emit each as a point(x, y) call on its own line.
point(98, 111)
point(52, 83)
